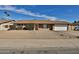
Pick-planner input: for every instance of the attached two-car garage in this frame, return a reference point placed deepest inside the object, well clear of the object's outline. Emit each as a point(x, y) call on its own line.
point(60, 27)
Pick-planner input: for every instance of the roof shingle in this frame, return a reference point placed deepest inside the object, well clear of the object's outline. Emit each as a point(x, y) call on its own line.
point(41, 22)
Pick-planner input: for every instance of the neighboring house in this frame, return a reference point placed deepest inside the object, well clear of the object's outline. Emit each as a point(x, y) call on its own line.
point(42, 25)
point(6, 24)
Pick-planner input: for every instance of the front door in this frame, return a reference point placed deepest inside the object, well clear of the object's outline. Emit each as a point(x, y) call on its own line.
point(50, 27)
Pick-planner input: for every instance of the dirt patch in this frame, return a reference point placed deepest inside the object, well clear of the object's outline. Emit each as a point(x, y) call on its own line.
point(35, 35)
point(77, 37)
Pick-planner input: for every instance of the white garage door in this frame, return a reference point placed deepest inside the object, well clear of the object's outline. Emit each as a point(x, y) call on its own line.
point(60, 28)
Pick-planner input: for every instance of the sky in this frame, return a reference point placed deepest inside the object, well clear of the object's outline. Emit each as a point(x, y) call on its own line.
point(40, 12)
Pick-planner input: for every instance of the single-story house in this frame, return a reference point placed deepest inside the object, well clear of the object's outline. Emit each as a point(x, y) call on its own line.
point(42, 25)
point(36, 25)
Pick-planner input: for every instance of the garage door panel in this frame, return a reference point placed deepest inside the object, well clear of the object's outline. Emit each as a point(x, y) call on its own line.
point(60, 27)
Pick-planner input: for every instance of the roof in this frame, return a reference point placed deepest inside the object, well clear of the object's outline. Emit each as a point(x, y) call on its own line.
point(5, 21)
point(41, 22)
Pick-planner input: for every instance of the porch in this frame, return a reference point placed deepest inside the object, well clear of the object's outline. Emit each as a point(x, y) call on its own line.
point(34, 26)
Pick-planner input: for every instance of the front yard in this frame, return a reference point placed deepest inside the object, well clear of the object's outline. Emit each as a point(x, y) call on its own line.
point(38, 42)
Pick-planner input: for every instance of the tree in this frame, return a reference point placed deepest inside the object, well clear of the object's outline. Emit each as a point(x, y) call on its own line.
point(75, 21)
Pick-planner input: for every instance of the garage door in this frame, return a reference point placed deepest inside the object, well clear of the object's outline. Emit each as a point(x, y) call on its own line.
point(60, 27)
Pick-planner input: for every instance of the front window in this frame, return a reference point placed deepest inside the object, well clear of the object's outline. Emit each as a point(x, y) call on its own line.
point(6, 26)
point(40, 25)
point(43, 26)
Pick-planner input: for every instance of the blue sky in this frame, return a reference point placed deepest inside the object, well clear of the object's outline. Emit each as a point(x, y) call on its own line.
point(40, 12)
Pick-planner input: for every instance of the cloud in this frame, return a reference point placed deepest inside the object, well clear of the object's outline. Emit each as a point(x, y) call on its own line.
point(25, 12)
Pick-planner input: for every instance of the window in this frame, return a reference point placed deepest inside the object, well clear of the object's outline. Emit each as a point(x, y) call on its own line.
point(43, 26)
point(6, 26)
point(40, 25)
point(11, 26)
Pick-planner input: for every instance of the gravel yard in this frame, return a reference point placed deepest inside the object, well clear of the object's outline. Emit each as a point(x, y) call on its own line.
point(36, 35)
point(38, 42)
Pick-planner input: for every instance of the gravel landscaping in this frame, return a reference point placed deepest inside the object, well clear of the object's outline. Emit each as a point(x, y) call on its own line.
point(39, 42)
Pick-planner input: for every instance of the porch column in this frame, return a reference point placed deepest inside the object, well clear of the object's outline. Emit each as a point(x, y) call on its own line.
point(52, 27)
point(70, 27)
point(34, 26)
